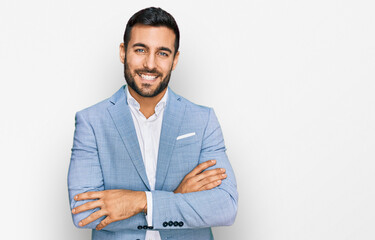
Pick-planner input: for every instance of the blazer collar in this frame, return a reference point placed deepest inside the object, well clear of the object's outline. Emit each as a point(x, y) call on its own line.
point(123, 121)
point(172, 120)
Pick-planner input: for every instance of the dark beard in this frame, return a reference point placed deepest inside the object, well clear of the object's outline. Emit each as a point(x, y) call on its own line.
point(131, 82)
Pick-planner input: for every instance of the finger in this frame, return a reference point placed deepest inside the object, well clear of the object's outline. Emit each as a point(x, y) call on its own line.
point(88, 195)
point(213, 178)
point(198, 169)
point(94, 216)
point(209, 173)
point(104, 223)
point(86, 206)
point(210, 185)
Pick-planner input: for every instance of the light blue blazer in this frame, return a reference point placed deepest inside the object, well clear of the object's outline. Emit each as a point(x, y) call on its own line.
point(106, 155)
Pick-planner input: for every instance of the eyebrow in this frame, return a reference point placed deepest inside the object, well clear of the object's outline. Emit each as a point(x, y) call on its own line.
point(160, 48)
point(139, 45)
point(165, 49)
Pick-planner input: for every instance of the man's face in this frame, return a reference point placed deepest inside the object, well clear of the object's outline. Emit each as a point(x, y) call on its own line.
point(149, 59)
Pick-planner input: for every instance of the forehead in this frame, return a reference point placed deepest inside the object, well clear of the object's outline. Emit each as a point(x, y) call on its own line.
point(152, 36)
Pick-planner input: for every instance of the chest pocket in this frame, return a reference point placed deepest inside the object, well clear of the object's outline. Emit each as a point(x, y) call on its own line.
point(186, 141)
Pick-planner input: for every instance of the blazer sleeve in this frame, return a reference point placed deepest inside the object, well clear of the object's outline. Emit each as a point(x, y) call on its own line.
point(215, 207)
point(85, 175)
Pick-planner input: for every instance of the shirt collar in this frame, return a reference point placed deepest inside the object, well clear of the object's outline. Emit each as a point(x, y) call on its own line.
point(158, 108)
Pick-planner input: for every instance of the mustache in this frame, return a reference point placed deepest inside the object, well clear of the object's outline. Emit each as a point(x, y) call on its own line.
point(146, 70)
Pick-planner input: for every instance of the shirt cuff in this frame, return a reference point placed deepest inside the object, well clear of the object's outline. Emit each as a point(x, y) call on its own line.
point(149, 208)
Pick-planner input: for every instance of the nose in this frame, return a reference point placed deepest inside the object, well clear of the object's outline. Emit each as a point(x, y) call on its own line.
point(149, 61)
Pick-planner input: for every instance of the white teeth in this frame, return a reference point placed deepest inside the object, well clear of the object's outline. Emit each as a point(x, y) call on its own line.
point(148, 77)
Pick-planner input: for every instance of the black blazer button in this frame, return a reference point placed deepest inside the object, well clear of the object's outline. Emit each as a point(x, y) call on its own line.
point(139, 227)
point(181, 224)
point(165, 224)
point(175, 224)
point(170, 223)
point(145, 227)
point(150, 227)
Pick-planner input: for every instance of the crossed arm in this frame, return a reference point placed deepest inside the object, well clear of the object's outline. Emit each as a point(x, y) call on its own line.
point(202, 199)
point(120, 204)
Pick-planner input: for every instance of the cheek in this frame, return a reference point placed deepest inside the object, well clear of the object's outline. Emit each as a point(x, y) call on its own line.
point(134, 62)
point(165, 67)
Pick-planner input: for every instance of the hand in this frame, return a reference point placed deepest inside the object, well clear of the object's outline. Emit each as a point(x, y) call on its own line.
point(197, 180)
point(117, 204)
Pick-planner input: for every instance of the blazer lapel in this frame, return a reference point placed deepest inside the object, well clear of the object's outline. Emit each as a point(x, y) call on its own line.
point(172, 119)
point(123, 120)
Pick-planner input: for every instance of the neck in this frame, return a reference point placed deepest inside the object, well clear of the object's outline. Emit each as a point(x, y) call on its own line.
point(147, 104)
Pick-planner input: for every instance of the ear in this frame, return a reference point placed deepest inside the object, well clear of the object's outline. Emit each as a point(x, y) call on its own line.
point(175, 60)
point(122, 53)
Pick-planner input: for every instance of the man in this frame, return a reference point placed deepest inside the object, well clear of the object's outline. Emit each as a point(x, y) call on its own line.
point(142, 160)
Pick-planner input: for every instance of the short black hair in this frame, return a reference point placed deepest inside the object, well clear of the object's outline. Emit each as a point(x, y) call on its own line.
point(153, 17)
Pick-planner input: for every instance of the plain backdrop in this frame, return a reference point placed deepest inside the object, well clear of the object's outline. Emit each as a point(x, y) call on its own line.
point(291, 81)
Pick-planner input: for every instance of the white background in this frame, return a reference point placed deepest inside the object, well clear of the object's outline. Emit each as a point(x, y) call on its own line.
point(291, 81)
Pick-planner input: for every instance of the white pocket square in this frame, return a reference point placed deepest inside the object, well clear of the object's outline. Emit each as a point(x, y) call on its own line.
point(185, 135)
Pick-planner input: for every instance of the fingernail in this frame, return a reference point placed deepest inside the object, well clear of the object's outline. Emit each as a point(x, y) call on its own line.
point(76, 197)
point(218, 181)
point(222, 170)
point(213, 161)
point(80, 224)
point(73, 211)
point(224, 175)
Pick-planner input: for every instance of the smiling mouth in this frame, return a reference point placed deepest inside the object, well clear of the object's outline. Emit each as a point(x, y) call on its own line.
point(148, 77)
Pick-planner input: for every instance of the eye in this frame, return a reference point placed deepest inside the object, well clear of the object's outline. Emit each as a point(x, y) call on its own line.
point(139, 50)
point(164, 54)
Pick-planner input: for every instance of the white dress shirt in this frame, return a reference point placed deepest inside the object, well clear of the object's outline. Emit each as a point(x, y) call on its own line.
point(148, 134)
